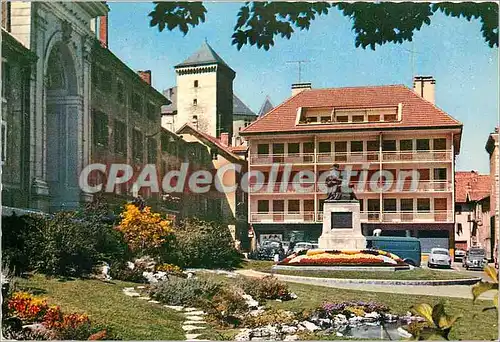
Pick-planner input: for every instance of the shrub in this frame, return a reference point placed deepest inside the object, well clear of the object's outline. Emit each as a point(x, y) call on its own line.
point(265, 288)
point(271, 317)
point(121, 271)
point(74, 327)
point(27, 307)
point(202, 244)
point(144, 231)
point(178, 291)
point(226, 307)
point(171, 270)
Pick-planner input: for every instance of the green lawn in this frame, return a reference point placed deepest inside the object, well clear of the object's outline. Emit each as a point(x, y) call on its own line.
point(416, 274)
point(130, 318)
point(474, 325)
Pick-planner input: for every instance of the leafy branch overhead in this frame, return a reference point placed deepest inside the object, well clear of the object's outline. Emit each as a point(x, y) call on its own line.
point(259, 23)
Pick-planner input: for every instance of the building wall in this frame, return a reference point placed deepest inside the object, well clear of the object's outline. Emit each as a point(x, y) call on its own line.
point(435, 193)
point(224, 101)
point(59, 34)
point(495, 183)
point(239, 123)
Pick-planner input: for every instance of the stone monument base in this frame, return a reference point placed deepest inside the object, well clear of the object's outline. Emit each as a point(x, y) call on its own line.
point(341, 226)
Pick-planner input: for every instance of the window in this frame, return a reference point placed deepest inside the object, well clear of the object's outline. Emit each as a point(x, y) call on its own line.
point(214, 153)
point(325, 119)
point(440, 174)
point(423, 205)
point(423, 145)
point(424, 174)
point(263, 206)
point(373, 205)
point(390, 117)
point(100, 128)
point(196, 83)
point(152, 111)
point(407, 204)
point(324, 147)
point(373, 118)
point(340, 146)
point(356, 146)
point(406, 145)
point(342, 118)
point(389, 145)
point(358, 118)
point(152, 152)
point(440, 144)
point(293, 148)
point(263, 149)
point(460, 230)
point(195, 102)
point(389, 204)
point(137, 145)
point(361, 205)
point(293, 206)
point(312, 119)
point(120, 94)
point(136, 102)
point(372, 145)
point(120, 135)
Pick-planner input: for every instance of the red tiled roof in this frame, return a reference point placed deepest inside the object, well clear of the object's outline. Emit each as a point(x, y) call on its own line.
point(416, 112)
point(240, 148)
point(471, 186)
point(211, 139)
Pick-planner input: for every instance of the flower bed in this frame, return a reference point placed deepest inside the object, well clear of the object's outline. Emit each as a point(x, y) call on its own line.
point(365, 257)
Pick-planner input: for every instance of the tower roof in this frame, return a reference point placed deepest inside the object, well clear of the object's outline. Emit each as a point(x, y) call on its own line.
point(239, 108)
point(266, 107)
point(203, 56)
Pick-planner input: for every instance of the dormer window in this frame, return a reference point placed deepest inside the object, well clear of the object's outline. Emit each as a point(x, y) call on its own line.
point(329, 115)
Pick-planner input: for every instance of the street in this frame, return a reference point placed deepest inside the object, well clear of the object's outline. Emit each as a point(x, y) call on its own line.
point(457, 266)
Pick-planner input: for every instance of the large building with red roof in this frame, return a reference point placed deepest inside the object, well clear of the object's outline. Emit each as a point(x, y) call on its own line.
point(377, 132)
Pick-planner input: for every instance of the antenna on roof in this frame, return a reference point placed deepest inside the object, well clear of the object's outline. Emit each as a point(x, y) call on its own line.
point(300, 67)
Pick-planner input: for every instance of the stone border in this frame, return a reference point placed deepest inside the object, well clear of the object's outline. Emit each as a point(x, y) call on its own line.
point(470, 281)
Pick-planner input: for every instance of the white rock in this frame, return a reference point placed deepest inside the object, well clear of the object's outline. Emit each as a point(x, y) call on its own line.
point(278, 300)
point(403, 333)
point(291, 338)
point(194, 318)
point(174, 307)
point(153, 301)
point(310, 326)
point(191, 327)
point(293, 295)
point(194, 322)
point(243, 335)
point(132, 294)
point(374, 315)
point(195, 313)
point(288, 329)
point(190, 309)
point(192, 336)
point(145, 298)
point(141, 287)
point(339, 334)
point(128, 289)
point(130, 265)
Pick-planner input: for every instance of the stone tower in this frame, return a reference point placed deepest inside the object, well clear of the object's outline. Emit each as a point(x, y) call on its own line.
point(205, 92)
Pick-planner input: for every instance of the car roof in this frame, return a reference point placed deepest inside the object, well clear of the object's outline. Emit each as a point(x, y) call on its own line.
point(439, 249)
point(392, 238)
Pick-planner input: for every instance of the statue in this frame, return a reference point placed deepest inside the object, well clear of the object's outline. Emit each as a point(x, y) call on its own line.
point(335, 191)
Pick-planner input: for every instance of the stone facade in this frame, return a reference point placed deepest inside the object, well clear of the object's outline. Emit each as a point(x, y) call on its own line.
point(492, 147)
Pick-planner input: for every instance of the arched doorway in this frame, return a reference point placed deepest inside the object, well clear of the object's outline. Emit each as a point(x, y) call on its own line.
point(63, 106)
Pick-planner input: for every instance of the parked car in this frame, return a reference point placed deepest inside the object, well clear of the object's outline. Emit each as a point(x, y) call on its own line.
point(301, 246)
point(439, 257)
point(407, 248)
point(459, 254)
point(267, 250)
point(315, 246)
point(475, 258)
point(286, 246)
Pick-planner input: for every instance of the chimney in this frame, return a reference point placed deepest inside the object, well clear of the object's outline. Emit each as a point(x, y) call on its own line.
point(300, 87)
point(224, 138)
point(424, 86)
point(145, 75)
point(103, 30)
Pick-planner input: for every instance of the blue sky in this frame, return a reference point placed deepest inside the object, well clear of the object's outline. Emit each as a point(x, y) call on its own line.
point(452, 50)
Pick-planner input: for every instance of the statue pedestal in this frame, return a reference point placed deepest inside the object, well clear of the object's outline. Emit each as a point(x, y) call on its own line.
point(341, 226)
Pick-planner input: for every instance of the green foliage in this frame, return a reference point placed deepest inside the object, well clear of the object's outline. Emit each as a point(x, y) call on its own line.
point(482, 287)
point(202, 244)
point(18, 241)
point(178, 291)
point(120, 271)
point(226, 307)
point(270, 317)
point(439, 323)
point(258, 23)
point(268, 287)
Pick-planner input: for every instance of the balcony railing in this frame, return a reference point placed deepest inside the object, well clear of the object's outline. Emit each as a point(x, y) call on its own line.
point(353, 157)
point(358, 187)
point(436, 216)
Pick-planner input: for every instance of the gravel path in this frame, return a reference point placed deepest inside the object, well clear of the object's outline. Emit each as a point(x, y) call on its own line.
point(455, 291)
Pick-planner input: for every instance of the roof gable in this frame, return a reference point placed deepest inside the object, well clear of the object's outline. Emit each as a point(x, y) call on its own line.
point(471, 186)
